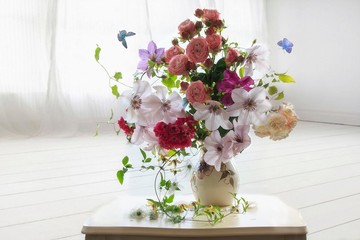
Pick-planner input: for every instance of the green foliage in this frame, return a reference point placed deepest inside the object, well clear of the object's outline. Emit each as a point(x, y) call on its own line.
point(272, 90)
point(171, 81)
point(115, 91)
point(286, 78)
point(118, 76)
point(280, 96)
point(126, 166)
point(97, 53)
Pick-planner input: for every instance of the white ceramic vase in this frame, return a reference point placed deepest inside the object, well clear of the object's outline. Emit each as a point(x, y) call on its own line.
point(211, 187)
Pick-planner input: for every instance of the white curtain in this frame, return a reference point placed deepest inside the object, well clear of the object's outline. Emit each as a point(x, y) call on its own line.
point(50, 83)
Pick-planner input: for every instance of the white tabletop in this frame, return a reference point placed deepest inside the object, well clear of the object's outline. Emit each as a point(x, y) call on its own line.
point(268, 216)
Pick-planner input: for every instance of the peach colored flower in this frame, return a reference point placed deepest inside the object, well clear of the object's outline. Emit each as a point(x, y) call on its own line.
point(196, 92)
point(197, 50)
point(279, 124)
point(173, 51)
point(214, 41)
point(178, 65)
point(231, 56)
point(211, 15)
point(187, 29)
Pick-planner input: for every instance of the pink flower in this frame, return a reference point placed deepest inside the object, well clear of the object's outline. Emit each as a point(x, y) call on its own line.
point(173, 51)
point(231, 56)
point(214, 41)
point(231, 81)
point(178, 65)
point(211, 15)
point(197, 50)
point(196, 92)
point(187, 29)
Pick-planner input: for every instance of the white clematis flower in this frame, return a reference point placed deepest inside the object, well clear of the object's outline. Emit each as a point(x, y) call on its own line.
point(257, 58)
point(250, 106)
point(131, 107)
point(218, 150)
point(213, 114)
point(240, 136)
point(163, 108)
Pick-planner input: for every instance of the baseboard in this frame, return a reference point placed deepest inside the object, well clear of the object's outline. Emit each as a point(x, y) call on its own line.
point(329, 117)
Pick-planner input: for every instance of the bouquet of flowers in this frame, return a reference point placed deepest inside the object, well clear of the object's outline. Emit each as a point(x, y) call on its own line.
point(201, 93)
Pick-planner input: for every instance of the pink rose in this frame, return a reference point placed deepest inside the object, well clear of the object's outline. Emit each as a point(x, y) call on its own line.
point(211, 15)
point(173, 51)
point(196, 92)
point(231, 56)
point(187, 29)
point(214, 41)
point(178, 65)
point(197, 50)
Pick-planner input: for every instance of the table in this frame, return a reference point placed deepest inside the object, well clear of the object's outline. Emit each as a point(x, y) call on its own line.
point(268, 219)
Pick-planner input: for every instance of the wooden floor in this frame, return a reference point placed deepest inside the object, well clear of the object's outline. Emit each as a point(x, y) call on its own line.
point(49, 186)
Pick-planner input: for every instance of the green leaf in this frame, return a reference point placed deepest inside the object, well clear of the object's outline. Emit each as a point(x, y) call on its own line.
point(129, 166)
point(117, 76)
point(170, 82)
point(115, 92)
point(97, 53)
point(120, 176)
point(272, 90)
point(280, 96)
point(125, 160)
point(97, 129)
point(170, 199)
point(242, 72)
point(286, 78)
point(147, 160)
point(143, 153)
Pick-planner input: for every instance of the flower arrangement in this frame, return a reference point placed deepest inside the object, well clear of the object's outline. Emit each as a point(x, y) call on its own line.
point(200, 93)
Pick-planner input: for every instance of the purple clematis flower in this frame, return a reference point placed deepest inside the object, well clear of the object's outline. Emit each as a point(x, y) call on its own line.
point(232, 80)
point(152, 53)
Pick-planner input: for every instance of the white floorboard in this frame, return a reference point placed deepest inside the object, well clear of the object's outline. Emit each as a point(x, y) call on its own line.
point(49, 186)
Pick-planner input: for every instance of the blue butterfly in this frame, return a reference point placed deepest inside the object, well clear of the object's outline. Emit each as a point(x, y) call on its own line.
point(286, 45)
point(122, 35)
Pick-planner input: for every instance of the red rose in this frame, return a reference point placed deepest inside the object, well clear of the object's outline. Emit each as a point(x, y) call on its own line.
point(231, 56)
point(178, 65)
point(197, 50)
point(173, 51)
point(211, 15)
point(196, 92)
point(187, 29)
point(214, 41)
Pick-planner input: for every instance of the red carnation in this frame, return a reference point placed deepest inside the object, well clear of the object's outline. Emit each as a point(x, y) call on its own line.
point(128, 130)
point(176, 135)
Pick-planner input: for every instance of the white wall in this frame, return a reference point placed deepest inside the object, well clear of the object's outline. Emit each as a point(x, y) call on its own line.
point(326, 57)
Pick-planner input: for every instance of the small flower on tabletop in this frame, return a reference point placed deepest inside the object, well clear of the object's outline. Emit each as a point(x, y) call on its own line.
point(153, 54)
point(197, 92)
point(138, 213)
point(197, 50)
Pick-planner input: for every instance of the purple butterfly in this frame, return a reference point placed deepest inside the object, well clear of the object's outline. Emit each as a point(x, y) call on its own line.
point(122, 35)
point(286, 45)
